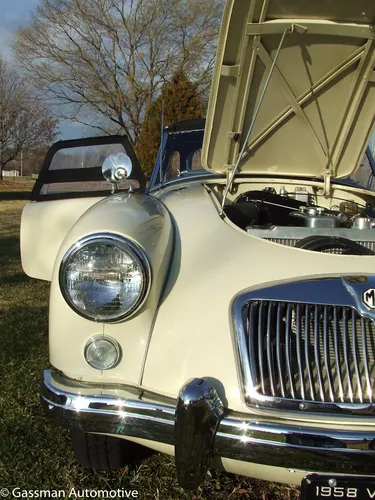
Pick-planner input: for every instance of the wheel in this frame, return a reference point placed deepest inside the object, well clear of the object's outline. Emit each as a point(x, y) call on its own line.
point(96, 451)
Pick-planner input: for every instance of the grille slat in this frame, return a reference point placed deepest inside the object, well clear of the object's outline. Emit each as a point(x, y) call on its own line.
point(326, 354)
point(279, 355)
point(366, 361)
point(307, 352)
point(337, 354)
point(270, 365)
point(299, 352)
point(317, 353)
point(355, 357)
point(288, 350)
point(260, 345)
point(346, 355)
point(252, 321)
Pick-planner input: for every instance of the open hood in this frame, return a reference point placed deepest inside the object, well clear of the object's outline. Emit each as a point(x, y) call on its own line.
point(317, 112)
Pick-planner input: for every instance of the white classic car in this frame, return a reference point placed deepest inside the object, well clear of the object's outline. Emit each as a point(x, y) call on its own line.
point(225, 313)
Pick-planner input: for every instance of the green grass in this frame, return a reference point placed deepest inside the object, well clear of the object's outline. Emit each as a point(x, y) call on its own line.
point(24, 178)
point(34, 454)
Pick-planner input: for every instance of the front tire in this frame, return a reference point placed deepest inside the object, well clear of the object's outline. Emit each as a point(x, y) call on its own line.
point(97, 451)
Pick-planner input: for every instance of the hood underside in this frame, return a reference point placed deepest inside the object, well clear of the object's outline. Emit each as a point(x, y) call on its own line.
point(316, 103)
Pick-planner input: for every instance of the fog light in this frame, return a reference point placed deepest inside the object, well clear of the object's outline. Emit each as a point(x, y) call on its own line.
point(102, 353)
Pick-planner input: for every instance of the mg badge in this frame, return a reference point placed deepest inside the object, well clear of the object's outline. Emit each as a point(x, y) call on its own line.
point(368, 298)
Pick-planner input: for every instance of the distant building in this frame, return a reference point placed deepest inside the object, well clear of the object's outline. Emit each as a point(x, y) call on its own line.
point(10, 173)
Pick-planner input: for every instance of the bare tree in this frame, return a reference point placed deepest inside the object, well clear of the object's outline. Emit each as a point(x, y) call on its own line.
point(103, 62)
point(25, 124)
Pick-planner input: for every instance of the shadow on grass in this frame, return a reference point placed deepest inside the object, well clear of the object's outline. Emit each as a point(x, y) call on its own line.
point(14, 195)
point(14, 279)
point(23, 332)
point(10, 255)
point(10, 247)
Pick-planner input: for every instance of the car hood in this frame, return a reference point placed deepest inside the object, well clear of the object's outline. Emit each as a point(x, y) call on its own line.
point(318, 108)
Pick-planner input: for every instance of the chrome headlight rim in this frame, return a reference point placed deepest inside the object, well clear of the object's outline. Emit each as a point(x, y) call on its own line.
point(127, 245)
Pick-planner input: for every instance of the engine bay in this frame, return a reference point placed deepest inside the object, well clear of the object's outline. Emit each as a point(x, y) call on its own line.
point(291, 218)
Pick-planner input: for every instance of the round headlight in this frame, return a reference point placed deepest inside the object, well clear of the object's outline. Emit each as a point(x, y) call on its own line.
point(102, 353)
point(105, 277)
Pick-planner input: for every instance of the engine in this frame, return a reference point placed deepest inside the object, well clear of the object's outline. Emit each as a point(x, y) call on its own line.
point(292, 219)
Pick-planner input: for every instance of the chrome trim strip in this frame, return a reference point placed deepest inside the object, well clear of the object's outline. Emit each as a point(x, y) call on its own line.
point(345, 291)
point(239, 436)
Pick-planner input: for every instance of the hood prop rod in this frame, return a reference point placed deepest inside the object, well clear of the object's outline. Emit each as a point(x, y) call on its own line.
point(287, 30)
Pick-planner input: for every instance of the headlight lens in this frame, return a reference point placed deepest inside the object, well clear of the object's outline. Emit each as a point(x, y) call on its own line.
point(102, 353)
point(105, 278)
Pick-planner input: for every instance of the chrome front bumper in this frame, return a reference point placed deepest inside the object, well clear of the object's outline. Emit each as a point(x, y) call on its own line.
point(200, 428)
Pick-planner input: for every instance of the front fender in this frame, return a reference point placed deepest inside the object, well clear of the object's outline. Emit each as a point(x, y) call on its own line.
point(145, 221)
point(44, 225)
point(214, 262)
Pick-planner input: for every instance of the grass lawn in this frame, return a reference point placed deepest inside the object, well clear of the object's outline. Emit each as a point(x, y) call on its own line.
point(37, 455)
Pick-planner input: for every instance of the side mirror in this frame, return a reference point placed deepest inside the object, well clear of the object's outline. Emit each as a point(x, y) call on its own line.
point(116, 168)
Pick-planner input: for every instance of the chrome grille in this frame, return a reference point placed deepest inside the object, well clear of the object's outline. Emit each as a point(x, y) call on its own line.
point(309, 352)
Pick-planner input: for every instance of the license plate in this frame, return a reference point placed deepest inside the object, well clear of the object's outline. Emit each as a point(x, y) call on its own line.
point(318, 487)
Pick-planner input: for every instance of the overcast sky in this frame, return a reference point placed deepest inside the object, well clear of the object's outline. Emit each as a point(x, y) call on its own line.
point(13, 14)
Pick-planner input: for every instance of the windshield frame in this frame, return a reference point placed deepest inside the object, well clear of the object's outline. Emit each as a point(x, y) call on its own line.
point(158, 181)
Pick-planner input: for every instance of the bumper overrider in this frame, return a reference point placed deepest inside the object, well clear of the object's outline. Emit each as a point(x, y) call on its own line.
point(200, 428)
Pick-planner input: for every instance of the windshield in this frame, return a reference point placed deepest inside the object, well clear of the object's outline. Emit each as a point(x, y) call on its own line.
point(73, 168)
point(181, 156)
point(364, 175)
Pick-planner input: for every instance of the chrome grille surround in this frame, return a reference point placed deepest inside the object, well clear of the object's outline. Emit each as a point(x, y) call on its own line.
point(307, 345)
